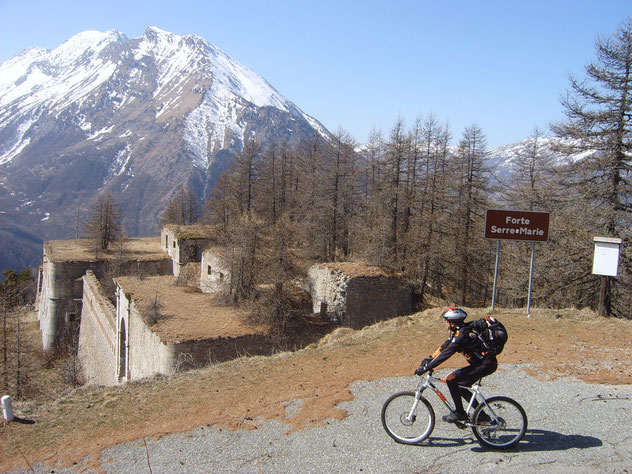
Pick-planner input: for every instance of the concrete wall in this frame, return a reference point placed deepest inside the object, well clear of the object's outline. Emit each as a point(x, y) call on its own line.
point(372, 299)
point(143, 354)
point(329, 290)
point(115, 344)
point(356, 301)
point(169, 242)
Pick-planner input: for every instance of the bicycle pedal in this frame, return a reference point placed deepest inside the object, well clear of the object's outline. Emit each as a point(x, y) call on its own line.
point(460, 424)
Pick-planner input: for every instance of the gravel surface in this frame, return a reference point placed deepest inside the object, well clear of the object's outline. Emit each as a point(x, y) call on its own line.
point(573, 427)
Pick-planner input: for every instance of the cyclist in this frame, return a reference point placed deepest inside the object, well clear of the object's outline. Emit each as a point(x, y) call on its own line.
point(461, 340)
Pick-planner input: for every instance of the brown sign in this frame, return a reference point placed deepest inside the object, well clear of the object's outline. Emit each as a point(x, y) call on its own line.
point(517, 225)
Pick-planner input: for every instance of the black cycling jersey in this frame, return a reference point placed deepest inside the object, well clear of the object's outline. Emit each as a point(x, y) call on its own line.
point(460, 341)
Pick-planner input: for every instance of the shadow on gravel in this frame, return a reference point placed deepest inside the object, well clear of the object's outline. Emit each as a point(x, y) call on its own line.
point(436, 442)
point(533, 441)
point(542, 440)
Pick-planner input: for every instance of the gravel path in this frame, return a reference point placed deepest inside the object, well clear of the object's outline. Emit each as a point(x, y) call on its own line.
point(573, 427)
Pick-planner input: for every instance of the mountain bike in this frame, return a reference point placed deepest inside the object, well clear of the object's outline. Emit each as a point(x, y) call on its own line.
point(497, 422)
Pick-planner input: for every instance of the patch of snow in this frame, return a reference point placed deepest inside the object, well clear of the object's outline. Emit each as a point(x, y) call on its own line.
point(97, 135)
point(120, 164)
point(214, 121)
point(18, 141)
point(82, 124)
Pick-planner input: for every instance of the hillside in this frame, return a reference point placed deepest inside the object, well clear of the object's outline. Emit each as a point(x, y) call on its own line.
point(236, 394)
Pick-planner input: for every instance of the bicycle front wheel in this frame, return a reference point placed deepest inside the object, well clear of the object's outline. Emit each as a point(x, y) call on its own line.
point(499, 424)
point(402, 423)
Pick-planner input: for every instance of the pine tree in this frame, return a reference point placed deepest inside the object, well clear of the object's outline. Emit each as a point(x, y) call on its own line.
point(470, 179)
point(433, 205)
point(598, 110)
point(104, 224)
point(183, 209)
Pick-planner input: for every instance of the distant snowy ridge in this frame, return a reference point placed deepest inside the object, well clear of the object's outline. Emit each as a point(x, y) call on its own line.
point(503, 160)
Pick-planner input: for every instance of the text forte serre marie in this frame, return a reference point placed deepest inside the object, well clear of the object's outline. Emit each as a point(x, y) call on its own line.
point(516, 221)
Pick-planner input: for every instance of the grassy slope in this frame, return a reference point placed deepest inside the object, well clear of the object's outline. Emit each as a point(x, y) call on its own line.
point(235, 394)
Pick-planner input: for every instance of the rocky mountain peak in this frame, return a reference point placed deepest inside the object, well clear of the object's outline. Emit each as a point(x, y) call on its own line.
point(139, 117)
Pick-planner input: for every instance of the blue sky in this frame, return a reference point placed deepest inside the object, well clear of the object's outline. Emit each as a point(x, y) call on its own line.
point(360, 65)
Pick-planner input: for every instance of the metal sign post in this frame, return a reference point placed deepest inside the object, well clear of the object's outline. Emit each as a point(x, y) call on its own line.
point(532, 226)
point(530, 278)
point(496, 274)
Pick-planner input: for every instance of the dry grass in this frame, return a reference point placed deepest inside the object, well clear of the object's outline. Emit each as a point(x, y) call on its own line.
point(553, 343)
point(357, 269)
point(184, 314)
point(82, 250)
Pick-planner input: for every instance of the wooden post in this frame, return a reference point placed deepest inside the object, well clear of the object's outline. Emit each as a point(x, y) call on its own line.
point(602, 297)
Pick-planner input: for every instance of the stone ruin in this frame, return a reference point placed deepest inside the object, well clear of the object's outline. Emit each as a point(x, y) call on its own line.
point(148, 323)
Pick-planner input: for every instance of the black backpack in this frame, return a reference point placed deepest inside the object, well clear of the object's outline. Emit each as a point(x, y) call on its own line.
point(490, 335)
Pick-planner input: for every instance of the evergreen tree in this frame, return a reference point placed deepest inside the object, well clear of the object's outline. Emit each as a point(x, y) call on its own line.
point(598, 110)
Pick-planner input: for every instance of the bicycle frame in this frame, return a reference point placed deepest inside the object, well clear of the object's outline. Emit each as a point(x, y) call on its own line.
point(429, 382)
point(497, 422)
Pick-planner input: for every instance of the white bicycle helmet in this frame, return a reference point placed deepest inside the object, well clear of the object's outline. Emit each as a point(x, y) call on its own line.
point(454, 314)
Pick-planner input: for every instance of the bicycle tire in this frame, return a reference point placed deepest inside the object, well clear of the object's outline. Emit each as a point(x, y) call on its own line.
point(394, 418)
point(507, 426)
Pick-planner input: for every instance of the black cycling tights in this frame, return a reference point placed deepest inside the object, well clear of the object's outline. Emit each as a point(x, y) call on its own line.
point(467, 376)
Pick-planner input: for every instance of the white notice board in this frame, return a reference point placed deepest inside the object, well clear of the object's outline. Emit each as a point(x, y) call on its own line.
point(606, 257)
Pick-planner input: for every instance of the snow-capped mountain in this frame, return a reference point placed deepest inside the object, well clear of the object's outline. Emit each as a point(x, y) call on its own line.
point(161, 68)
point(503, 160)
point(138, 117)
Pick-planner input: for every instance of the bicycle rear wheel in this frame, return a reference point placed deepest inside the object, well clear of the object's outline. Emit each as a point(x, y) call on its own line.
point(499, 424)
point(404, 425)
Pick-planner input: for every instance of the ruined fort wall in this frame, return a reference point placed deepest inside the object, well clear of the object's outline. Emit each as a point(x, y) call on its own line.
point(147, 355)
point(97, 335)
point(358, 300)
point(328, 288)
point(214, 274)
point(58, 298)
point(59, 294)
point(195, 354)
point(372, 299)
point(169, 243)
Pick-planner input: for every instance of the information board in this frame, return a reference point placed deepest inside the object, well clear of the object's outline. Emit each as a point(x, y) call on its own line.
point(606, 256)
